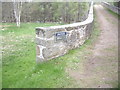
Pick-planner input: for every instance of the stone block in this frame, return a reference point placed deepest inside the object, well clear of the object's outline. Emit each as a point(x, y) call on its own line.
point(47, 46)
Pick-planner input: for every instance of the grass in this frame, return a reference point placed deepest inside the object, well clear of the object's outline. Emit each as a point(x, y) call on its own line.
point(19, 68)
point(113, 13)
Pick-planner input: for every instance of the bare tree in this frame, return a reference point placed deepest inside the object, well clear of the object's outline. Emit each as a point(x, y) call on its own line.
point(17, 11)
point(29, 11)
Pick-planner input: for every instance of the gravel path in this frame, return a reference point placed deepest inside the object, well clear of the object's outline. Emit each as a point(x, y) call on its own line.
point(101, 68)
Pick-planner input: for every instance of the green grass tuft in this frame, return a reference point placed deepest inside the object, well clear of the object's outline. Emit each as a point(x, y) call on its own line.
point(113, 13)
point(19, 53)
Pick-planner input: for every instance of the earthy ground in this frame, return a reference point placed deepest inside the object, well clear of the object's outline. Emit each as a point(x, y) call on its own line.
point(100, 70)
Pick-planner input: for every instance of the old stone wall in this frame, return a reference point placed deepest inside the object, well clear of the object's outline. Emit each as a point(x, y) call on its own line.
point(111, 7)
point(56, 41)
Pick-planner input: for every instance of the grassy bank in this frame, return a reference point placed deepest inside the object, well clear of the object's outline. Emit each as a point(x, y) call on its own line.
point(113, 13)
point(19, 67)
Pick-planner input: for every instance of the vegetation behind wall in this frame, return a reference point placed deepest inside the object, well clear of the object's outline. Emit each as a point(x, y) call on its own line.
point(64, 12)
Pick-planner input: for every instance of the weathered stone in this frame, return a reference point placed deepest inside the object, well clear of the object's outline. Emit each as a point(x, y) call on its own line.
point(57, 49)
point(51, 32)
point(45, 41)
point(47, 45)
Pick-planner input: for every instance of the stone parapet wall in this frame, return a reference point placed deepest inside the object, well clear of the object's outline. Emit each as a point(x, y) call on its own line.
point(56, 41)
point(111, 7)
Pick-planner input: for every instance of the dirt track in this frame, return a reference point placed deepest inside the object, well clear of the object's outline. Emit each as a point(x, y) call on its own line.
point(101, 69)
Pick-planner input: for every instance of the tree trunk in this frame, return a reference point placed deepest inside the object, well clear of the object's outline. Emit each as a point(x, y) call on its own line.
point(17, 11)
